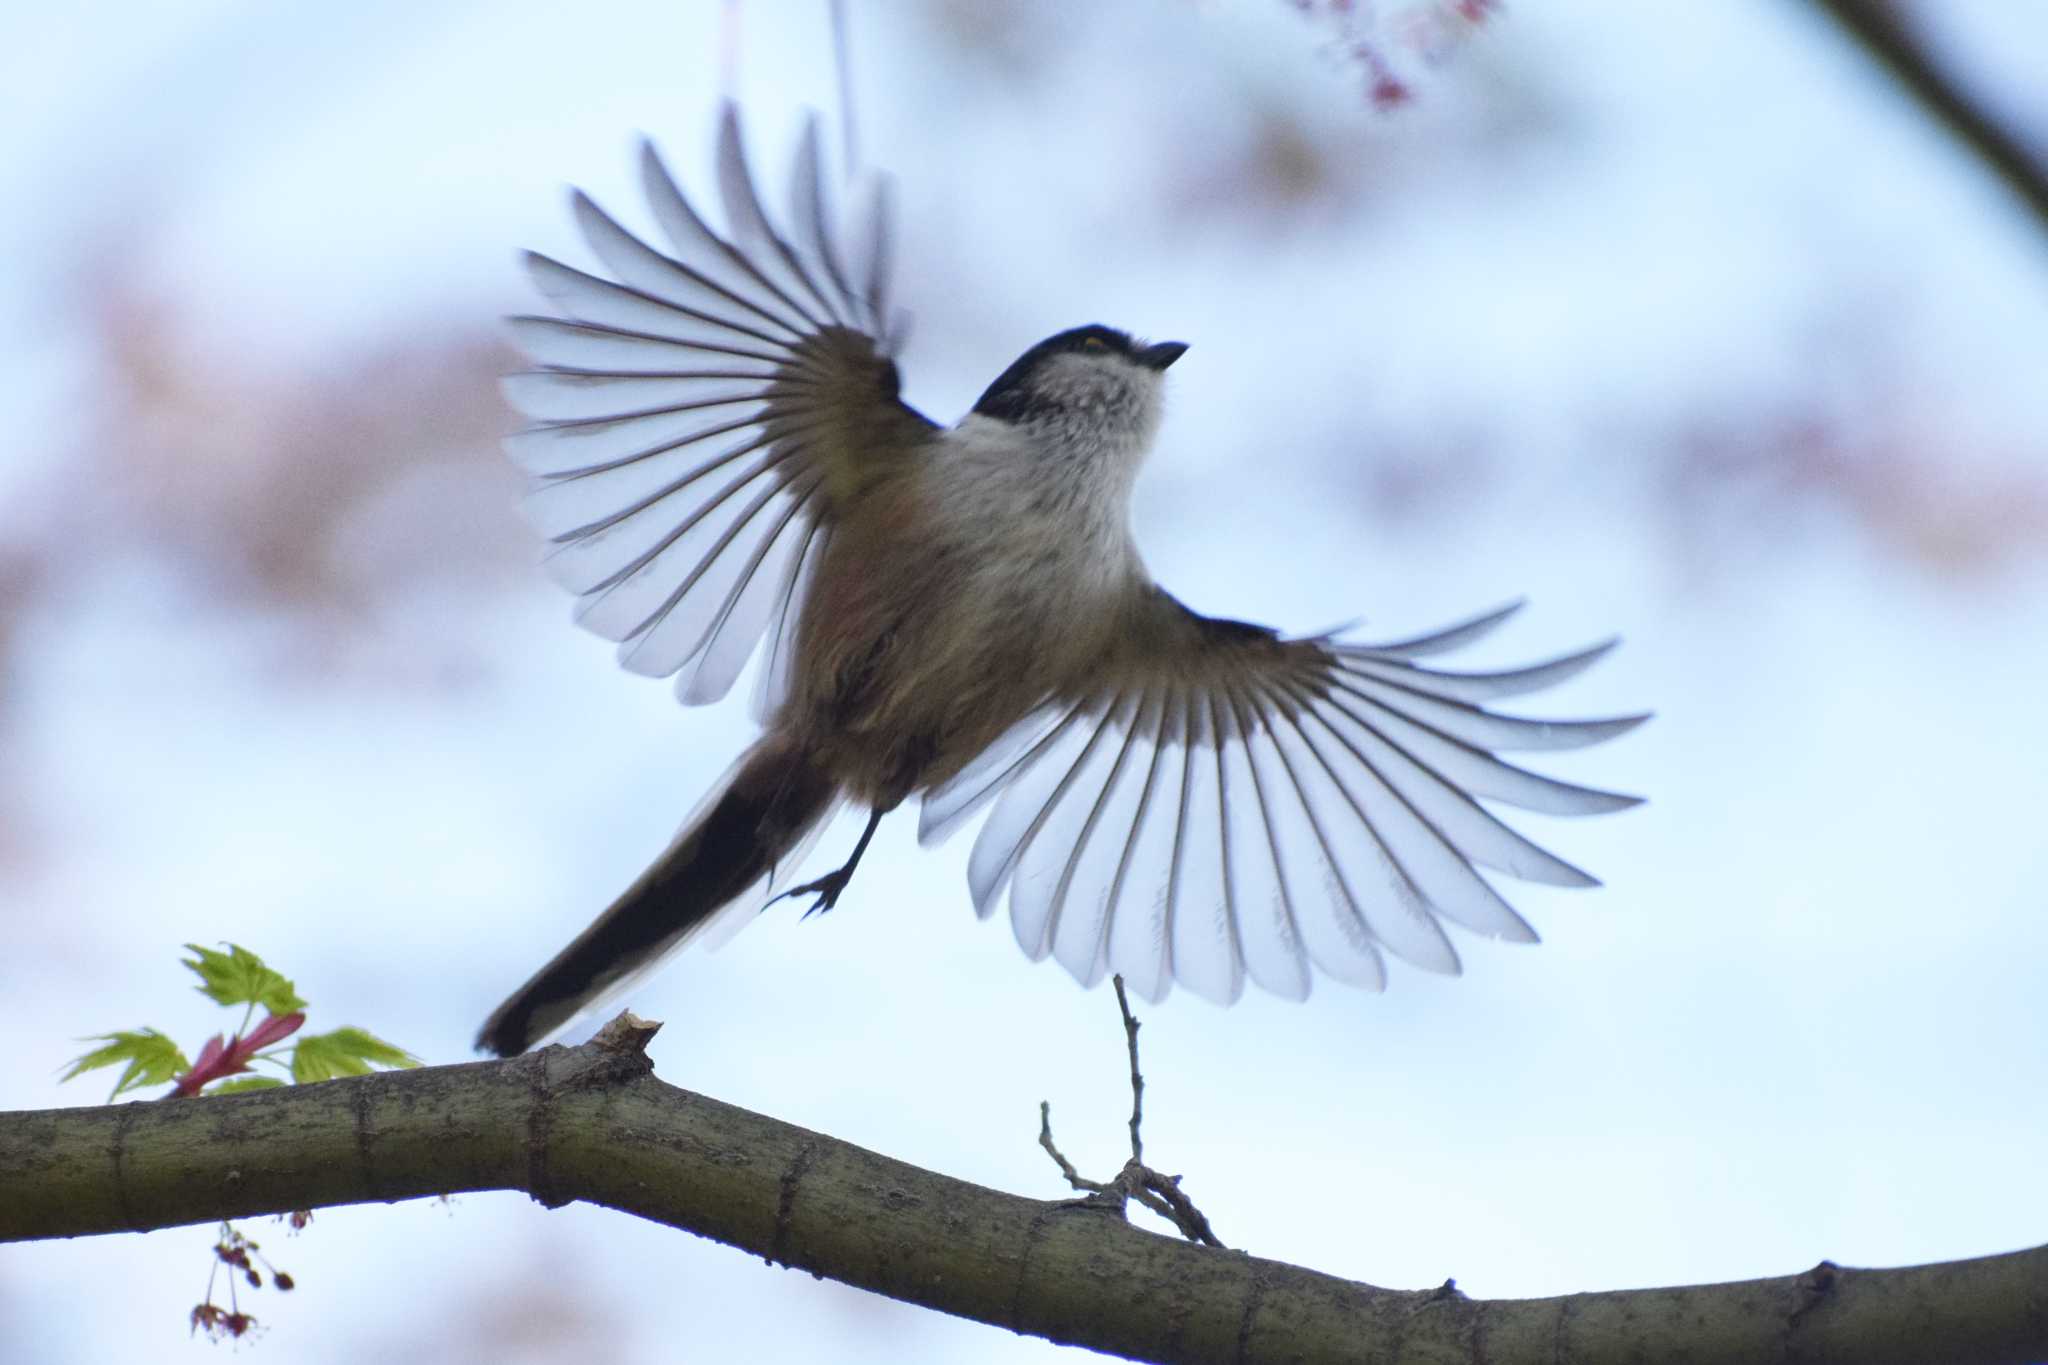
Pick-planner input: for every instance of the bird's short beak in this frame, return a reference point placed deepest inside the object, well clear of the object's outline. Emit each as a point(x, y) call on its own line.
point(1158, 357)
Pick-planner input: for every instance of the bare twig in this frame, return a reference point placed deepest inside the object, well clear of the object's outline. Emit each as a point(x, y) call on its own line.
point(1156, 1191)
point(1074, 1177)
point(1166, 1191)
point(1123, 1003)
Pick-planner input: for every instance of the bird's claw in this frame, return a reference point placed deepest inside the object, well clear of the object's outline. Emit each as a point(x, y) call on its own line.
point(826, 888)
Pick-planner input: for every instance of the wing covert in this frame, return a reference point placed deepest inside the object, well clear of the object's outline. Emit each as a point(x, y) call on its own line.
point(696, 417)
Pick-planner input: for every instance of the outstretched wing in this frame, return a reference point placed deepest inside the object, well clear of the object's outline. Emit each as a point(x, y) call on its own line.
point(697, 418)
point(1230, 805)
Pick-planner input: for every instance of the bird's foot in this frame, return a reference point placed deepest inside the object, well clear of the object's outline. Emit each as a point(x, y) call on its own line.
point(826, 888)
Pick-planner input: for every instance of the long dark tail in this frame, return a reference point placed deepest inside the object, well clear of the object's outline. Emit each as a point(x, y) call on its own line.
point(742, 832)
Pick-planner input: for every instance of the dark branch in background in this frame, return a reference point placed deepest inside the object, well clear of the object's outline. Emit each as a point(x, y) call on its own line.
point(592, 1123)
point(1884, 31)
point(1157, 1192)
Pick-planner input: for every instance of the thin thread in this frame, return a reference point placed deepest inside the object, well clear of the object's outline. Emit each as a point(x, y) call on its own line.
point(729, 50)
point(842, 62)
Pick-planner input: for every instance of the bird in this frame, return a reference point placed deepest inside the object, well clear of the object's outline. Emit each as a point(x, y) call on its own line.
point(722, 465)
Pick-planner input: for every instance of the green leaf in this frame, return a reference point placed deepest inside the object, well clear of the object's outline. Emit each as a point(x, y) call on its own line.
point(240, 1083)
point(150, 1059)
point(344, 1052)
point(239, 977)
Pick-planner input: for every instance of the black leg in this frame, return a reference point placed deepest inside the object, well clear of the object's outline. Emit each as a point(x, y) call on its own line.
point(828, 887)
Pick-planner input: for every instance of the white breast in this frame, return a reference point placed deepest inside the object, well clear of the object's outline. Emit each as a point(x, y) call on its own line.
point(1049, 516)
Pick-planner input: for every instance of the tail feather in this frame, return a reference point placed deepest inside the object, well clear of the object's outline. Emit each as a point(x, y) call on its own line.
point(748, 829)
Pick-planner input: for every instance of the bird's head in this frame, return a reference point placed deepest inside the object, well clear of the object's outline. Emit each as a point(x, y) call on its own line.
point(1092, 384)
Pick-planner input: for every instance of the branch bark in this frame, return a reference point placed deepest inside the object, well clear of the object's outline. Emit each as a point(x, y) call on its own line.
point(593, 1123)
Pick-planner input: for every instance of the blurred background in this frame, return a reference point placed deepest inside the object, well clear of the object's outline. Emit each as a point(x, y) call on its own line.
point(1694, 323)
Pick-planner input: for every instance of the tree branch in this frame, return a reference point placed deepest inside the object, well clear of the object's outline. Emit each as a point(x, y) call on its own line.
point(592, 1123)
point(1887, 36)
